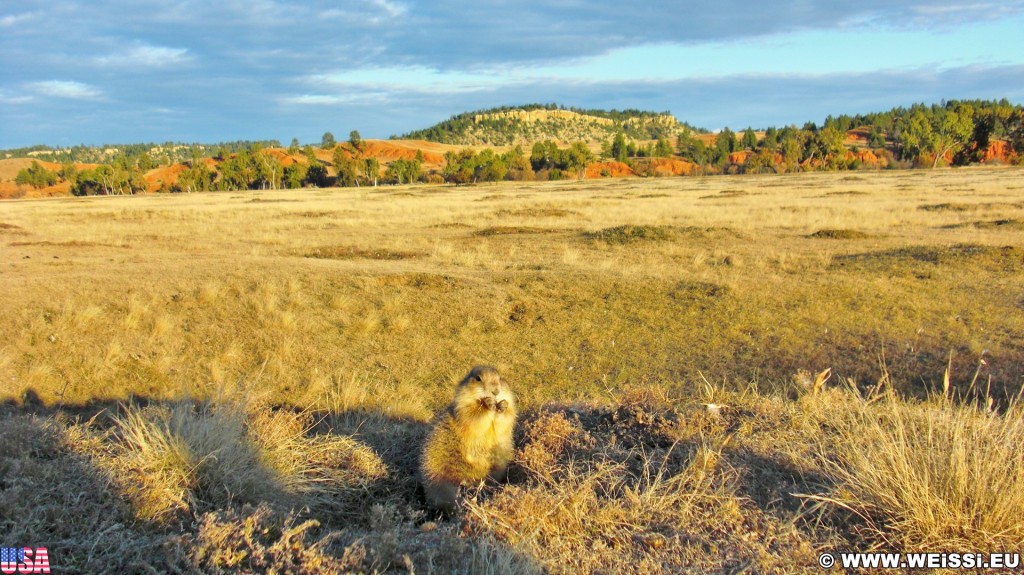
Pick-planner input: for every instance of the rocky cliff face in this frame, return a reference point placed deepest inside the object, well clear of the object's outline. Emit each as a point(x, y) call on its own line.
point(537, 116)
point(525, 127)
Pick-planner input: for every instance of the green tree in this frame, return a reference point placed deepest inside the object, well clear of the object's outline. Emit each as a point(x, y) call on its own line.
point(356, 140)
point(371, 168)
point(791, 146)
point(269, 171)
point(760, 162)
point(519, 168)
point(294, 147)
point(826, 145)
point(876, 137)
point(770, 140)
point(458, 166)
point(346, 168)
point(619, 149)
point(663, 149)
point(915, 135)
point(725, 144)
point(240, 171)
point(1015, 131)
point(197, 178)
point(544, 155)
point(578, 156)
point(94, 182)
point(327, 141)
point(692, 148)
point(488, 167)
point(951, 131)
point(36, 175)
point(749, 141)
point(403, 171)
point(68, 171)
point(294, 175)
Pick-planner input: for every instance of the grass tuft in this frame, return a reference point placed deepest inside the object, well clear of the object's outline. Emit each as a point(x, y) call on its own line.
point(930, 475)
point(187, 459)
point(627, 234)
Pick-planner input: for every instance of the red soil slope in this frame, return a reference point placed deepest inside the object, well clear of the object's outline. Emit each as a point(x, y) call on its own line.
point(10, 167)
point(609, 170)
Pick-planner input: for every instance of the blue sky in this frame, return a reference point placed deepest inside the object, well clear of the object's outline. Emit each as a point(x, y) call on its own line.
point(112, 71)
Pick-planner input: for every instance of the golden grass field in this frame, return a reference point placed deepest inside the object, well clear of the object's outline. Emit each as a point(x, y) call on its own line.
point(240, 381)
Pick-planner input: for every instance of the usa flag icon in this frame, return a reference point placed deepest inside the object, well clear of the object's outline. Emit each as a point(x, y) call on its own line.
point(20, 560)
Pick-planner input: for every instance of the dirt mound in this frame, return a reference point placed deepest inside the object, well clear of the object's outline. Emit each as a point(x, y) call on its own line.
point(867, 158)
point(387, 151)
point(997, 151)
point(858, 136)
point(672, 167)
point(163, 177)
point(9, 190)
point(10, 167)
point(609, 170)
point(740, 158)
point(285, 158)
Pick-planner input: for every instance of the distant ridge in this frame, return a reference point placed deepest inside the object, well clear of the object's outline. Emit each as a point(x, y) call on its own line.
point(510, 125)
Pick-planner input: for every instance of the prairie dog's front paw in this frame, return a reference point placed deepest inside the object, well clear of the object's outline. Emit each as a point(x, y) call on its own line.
point(487, 402)
point(502, 405)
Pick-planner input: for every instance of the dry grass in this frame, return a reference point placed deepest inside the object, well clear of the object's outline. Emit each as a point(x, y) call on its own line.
point(930, 475)
point(188, 459)
point(652, 340)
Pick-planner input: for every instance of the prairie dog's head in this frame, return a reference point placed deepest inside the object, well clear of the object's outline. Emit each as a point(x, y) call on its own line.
point(483, 389)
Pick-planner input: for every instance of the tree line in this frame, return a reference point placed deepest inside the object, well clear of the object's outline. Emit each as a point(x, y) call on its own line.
point(954, 133)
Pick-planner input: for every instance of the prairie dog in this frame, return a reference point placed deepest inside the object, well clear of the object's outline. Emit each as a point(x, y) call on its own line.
point(472, 440)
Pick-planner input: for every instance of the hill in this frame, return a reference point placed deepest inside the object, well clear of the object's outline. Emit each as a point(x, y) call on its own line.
point(528, 124)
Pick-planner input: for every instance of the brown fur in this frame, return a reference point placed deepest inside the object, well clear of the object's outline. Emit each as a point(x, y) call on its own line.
point(472, 440)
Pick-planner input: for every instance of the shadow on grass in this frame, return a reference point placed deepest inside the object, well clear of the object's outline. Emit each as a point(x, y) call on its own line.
point(66, 490)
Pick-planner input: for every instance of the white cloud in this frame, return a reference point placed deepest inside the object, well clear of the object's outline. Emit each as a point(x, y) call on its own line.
point(147, 56)
point(354, 98)
point(65, 89)
point(16, 19)
point(413, 79)
point(7, 97)
point(394, 9)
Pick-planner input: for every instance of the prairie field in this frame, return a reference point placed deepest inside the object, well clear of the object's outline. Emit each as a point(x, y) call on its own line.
point(723, 374)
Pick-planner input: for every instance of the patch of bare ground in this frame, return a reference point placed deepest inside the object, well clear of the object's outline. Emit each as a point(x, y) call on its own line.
point(839, 234)
point(450, 226)
point(969, 207)
point(845, 193)
point(513, 230)
point(1002, 224)
point(69, 244)
point(537, 212)
point(353, 252)
point(421, 281)
point(725, 194)
point(630, 233)
point(1005, 258)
